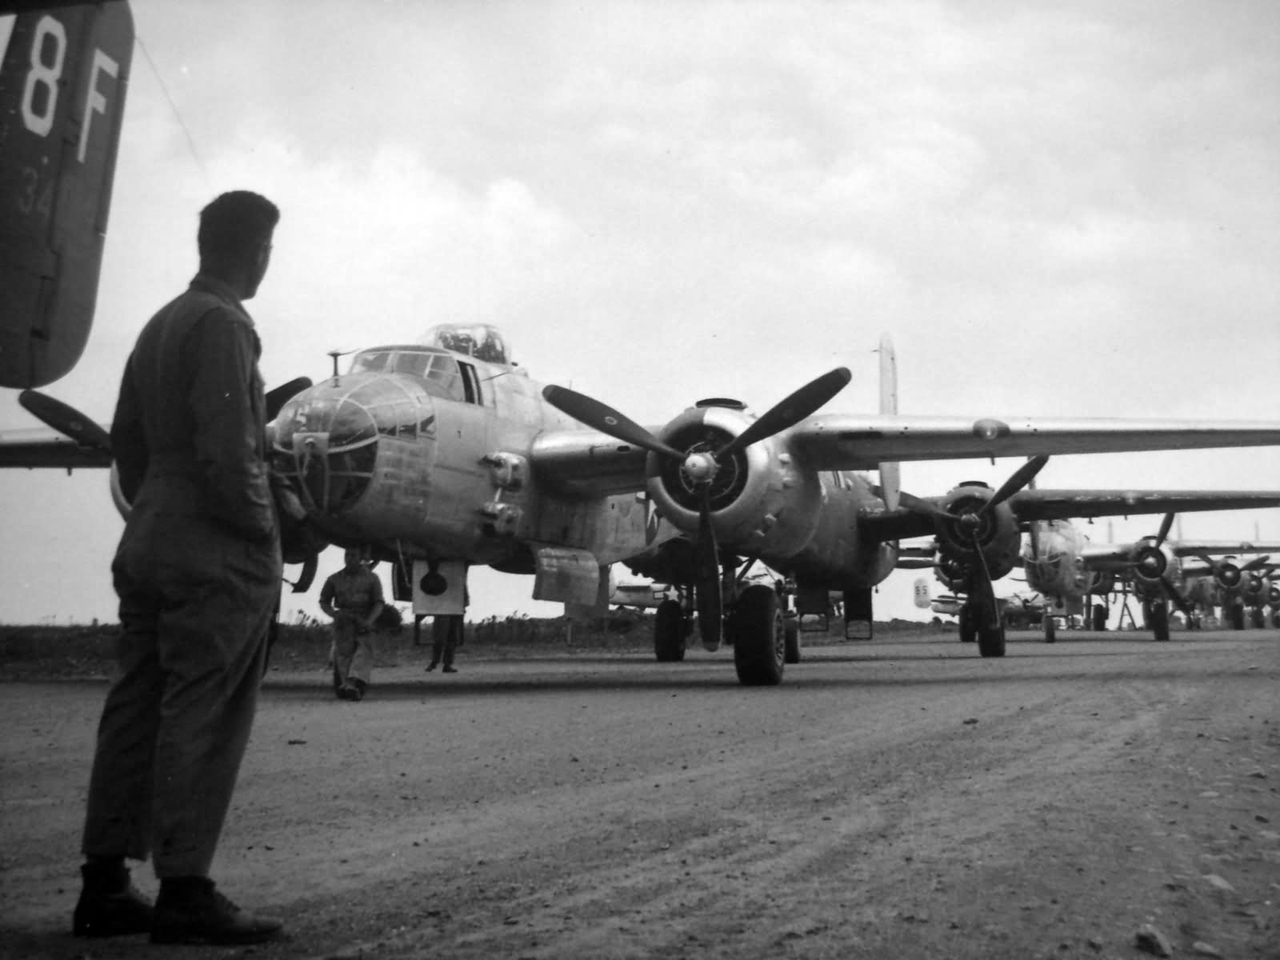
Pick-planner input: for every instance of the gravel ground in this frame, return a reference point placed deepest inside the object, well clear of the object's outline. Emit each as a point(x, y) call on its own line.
point(899, 798)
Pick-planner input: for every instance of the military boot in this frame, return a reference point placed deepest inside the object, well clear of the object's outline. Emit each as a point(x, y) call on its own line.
point(109, 905)
point(191, 910)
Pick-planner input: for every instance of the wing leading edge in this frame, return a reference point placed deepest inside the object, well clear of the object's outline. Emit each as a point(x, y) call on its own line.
point(844, 442)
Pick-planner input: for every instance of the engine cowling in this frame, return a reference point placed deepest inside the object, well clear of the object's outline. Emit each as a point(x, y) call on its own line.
point(972, 530)
point(1253, 587)
point(1227, 575)
point(1151, 561)
point(760, 502)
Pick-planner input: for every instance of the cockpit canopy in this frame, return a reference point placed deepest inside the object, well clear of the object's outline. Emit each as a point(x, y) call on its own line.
point(479, 340)
point(439, 370)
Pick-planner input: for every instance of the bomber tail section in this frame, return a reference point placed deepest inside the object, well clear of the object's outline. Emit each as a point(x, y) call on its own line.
point(63, 72)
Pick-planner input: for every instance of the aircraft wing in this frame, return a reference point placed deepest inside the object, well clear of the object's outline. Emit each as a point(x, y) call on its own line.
point(44, 447)
point(1222, 548)
point(1037, 504)
point(1079, 504)
point(587, 463)
point(861, 442)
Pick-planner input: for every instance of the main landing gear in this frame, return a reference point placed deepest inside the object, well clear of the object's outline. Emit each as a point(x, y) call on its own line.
point(758, 624)
point(981, 621)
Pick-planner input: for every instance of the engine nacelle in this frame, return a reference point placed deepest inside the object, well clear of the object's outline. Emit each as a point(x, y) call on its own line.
point(993, 532)
point(1273, 594)
point(1253, 587)
point(1227, 575)
point(760, 502)
point(1151, 562)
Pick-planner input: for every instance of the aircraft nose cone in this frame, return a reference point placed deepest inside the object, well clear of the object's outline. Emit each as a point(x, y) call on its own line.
point(329, 444)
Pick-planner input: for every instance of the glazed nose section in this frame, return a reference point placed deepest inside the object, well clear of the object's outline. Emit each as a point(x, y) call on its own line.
point(329, 444)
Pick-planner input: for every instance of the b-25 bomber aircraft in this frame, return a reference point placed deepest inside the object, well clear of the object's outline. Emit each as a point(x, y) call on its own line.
point(444, 454)
point(1066, 568)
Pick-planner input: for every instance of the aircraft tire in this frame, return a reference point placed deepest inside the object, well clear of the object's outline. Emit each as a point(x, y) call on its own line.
point(1099, 617)
point(337, 680)
point(968, 631)
point(1236, 616)
point(1258, 618)
point(791, 626)
point(1050, 630)
point(991, 642)
point(668, 632)
point(1160, 622)
point(759, 637)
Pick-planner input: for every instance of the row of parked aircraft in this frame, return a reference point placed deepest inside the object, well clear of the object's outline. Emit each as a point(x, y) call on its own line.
point(442, 454)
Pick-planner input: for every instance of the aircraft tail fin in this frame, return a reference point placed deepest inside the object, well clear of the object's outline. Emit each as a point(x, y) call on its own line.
point(63, 73)
point(890, 473)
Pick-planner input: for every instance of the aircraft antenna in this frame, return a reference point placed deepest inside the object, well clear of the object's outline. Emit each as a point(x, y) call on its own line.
point(191, 144)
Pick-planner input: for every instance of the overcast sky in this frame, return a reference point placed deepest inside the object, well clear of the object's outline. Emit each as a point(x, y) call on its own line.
point(1065, 209)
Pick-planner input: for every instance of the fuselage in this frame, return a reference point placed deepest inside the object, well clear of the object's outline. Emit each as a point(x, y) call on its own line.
point(423, 452)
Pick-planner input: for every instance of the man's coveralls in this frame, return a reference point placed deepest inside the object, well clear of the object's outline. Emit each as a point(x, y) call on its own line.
point(198, 572)
point(354, 597)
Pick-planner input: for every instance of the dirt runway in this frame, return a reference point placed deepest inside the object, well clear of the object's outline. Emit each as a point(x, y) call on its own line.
point(901, 799)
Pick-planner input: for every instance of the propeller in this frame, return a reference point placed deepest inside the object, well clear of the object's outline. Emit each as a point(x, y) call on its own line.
point(789, 411)
point(706, 572)
point(701, 466)
point(66, 419)
point(972, 523)
point(279, 396)
point(1173, 594)
point(1020, 478)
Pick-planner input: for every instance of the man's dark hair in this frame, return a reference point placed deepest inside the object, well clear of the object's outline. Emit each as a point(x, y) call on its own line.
point(233, 227)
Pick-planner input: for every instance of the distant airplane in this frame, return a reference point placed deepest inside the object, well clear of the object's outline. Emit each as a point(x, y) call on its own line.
point(1241, 588)
point(64, 68)
point(444, 454)
point(1016, 611)
point(1061, 563)
point(641, 595)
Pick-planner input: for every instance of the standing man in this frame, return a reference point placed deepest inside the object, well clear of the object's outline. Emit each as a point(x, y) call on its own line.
point(448, 630)
point(198, 574)
point(353, 598)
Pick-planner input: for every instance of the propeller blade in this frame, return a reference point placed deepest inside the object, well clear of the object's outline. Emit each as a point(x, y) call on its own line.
point(981, 580)
point(1165, 526)
point(915, 504)
point(1021, 477)
point(282, 394)
point(789, 411)
point(1172, 593)
point(307, 574)
point(706, 565)
point(66, 419)
point(1257, 562)
point(600, 417)
point(1034, 536)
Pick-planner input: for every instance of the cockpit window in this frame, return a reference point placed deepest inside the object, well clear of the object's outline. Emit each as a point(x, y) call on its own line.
point(441, 373)
point(443, 379)
point(370, 361)
point(414, 364)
